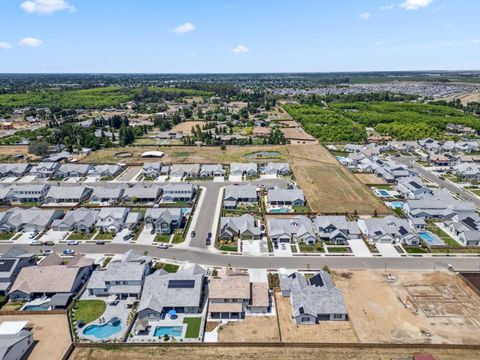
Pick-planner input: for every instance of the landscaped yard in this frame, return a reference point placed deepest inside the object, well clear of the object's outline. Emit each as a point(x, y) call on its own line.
point(178, 237)
point(89, 310)
point(443, 236)
point(301, 209)
point(80, 236)
point(193, 327)
point(162, 238)
point(104, 236)
point(317, 248)
point(6, 236)
point(339, 249)
point(170, 268)
point(414, 250)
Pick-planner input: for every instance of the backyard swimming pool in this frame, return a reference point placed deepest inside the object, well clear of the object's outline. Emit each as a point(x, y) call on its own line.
point(279, 210)
point(105, 330)
point(40, 307)
point(430, 239)
point(384, 193)
point(396, 204)
point(168, 330)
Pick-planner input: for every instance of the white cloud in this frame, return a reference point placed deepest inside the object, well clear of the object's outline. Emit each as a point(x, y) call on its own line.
point(30, 42)
point(387, 7)
point(474, 41)
point(184, 28)
point(364, 16)
point(46, 7)
point(5, 45)
point(240, 49)
point(415, 4)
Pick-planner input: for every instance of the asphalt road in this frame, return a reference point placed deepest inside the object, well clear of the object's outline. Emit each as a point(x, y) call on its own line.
point(461, 193)
point(205, 257)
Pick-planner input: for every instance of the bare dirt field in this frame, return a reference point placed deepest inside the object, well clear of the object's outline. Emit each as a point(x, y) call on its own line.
point(326, 332)
point(370, 179)
point(416, 307)
point(49, 331)
point(186, 127)
point(297, 134)
point(7, 153)
point(252, 329)
point(466, 98)
point(264, 353)
point(328, 186)
point(189, 154)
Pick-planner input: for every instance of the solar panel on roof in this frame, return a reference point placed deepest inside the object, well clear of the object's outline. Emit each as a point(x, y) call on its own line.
point(471, 223)
point(402, 230)
point(6, 265)
point(316, 280)
point(300, 310)
point(181, 284)
point(415, 185)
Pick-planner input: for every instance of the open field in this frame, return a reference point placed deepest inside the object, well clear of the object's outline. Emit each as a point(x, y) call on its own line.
point(370, 179)
point(328, 186)
point(188, 154)
point(296, 134)
point(49, 331)
point(8, 152)
point(265, 353)
point(326, 332)
point(186, 127)
point(252, 329)
point(417, 307)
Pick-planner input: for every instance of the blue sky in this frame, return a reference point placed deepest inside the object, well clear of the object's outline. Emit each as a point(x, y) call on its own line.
point(185, 36)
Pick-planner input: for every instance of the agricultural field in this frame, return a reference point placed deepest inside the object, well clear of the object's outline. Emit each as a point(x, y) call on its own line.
point(346, 121)
point(186, 127)
point(191, 154)
point(329, 187)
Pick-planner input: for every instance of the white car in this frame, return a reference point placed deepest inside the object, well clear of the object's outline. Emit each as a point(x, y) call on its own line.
point(46, 251)
point(163, 246)
point(72, 242)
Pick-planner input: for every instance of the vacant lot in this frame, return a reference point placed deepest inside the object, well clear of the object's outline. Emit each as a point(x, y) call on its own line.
point(297, 134)
point(370, 179)
point(186, 127)
point(188, 154)
point(7, 153)
point(326, 332)
point(416, 307)
point(50, 332)
point(265, 353)
point(252, 329)
point(328, 186)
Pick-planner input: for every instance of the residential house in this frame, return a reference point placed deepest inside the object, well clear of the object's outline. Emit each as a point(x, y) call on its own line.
point(467, 172)
point(181, 291)
point(243, 227)
point(73, 170)
point(32, 193)
point(151, 170)
point(231, 295)
point(243, 169)
point(288, 230)
point(261, 131)
point(139, 194)
point(106, 195)
point(185, 170)
point(123, 278)
point(314, 300)
point(465, 228)
point(209, 170)
point(67, 194)
point(28, 220)
point(235, 195)
point(44, 169)
point(389, 230)
point(336, 229)
point(164, 220)
point(430, 145)
point(14, 260)
point(114, 219)
point(16, 340)
point(176, 192)
point(403, 146)
point(81, 220)
point(14, 169)
point(439, 160)
point(105, 170)
point(412, 187)
point(273, 168)
point(288, 197)
point(51, 277)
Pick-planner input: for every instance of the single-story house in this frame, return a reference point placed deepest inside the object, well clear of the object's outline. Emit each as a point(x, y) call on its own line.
point(31, 219)
point(240, 169)
point(243, 227)
point(141, 194)
point(235, 195)
point(289, 230)
point(212, 170)
point(390, 230)
point(175, 192)
point(81, 220)
point(108, 195)
point(32, 193)
point(164, 220)
point(67, 194)
point(273, 168)
point(14, 260)
point(73, 170)
point(14, 169)
point(44, 169)
point(290, 197)
point(105, 170)
point(187, 170)
point(151, 170)
point(336, 229)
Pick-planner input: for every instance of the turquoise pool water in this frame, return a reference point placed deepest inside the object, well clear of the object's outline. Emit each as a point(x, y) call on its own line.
point(384, 193)
point(41, 307)
point(396, 204)
point(280, 210)
point(168, 330)
point(430, 239)
point(105, 330)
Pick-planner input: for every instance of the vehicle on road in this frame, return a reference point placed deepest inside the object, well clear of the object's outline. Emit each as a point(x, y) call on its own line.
point(193, 233)
point(163, 246)
point(100, 242)
point(36, 243)
point(48, 243)
point(46, 251)
point(68, 252)
point(72, 242)
point(128, 236)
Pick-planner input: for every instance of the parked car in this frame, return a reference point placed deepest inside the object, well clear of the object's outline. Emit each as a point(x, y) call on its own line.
point(46, 251)
point(209, 236)
point(128, 236)
point(68, 252)
point(163, 246)
point(193, 233)
point(48, 243)
point(72, 242)
point(36, 243)
point(100, 242)
point(208, 241)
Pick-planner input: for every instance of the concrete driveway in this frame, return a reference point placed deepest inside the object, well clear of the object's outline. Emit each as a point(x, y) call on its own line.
point(254, 247)
point(218, 179)
point(235, 178)
point(145, 237)
point(287, 251)
point(25, 238)
point(91, 179)
point(26, 179)
point(359, 248)
point(119, 236)
point(387, 250)
point(55, 236)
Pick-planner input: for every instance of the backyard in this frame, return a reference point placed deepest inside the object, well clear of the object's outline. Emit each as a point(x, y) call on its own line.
point(89, 310)
point(193, 327)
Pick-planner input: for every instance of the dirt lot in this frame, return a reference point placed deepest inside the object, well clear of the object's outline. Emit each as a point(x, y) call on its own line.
point(264, 353)
point(326, 332)
point(186, 127)
point(252, 329)
point(7, 153)
point(188, 154)
point(297, 134)
point(370, 179)
point(49, 331)
point(417, 307)
point(328, 186)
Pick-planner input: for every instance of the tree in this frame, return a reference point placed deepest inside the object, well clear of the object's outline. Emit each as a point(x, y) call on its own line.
point(38, 148)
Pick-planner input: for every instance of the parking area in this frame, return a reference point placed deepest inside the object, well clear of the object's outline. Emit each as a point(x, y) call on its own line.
point(387, 250)
point(284, 249)
point(145, 237)
point(25, 238)
point(218, 179)
point(55, 236)
point(234, 178)
point(359, 248)
point(254, 247)
point(119, 237)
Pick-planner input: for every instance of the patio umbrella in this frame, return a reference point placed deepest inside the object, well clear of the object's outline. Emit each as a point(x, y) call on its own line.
point(172, 313)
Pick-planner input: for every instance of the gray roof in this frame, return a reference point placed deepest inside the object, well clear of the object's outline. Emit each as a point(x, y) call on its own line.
point(240, 192)
point(164, 214)
point(107, 193)
point(151, 192)
point(106, 169)
point(243, 167)
point(82, 215)
point(285, 195)
point(315, 296)
point(67, 192)
point(77, 168)
point(184, 168)
point(176, 187)
point(299, 226)
point(240, 224)
point(9, 340)
point(340, 222)
point(210, 168)
point(162, 289)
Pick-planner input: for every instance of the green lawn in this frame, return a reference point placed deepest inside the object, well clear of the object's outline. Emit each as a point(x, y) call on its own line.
point(89, 310)
point(301, 209)
point(443, 236)
point(414, 250)
point(318, 247)
point(170, 268)
point(193, 327)
point(339, 249)
point(228, 248)
point(6, 236)
point(162, 238)
point(79, 236)
point(178, 237)
point(104, 236)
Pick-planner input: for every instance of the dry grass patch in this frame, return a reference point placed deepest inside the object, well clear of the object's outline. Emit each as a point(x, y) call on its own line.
point(251, 329)
point(186, 127)
point(370, 179)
